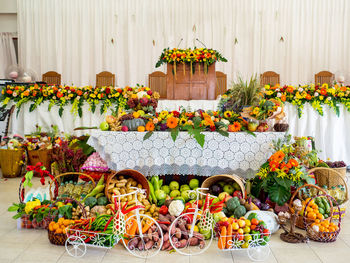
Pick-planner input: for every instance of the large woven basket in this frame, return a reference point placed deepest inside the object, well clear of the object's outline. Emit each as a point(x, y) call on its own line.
point(224, 177)
point(58, 178)
point(300, 219)
point(57, 239)
point(139, 177)
point(43, 156)
point(10, 161)
point(329, 176)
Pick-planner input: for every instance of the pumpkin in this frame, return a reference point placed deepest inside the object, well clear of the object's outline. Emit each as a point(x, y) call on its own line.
point(134, 123)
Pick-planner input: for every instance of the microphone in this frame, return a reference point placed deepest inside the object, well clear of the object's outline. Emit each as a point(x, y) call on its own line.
point(201, 42)
point(179, 42)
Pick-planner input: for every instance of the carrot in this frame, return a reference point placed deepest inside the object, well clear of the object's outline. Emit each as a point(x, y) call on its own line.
point(229, 236)
point(130, 230)
point(222, 238)
point(147, 225)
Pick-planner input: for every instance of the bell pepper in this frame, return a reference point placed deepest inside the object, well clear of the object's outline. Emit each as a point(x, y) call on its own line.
point(163, 210)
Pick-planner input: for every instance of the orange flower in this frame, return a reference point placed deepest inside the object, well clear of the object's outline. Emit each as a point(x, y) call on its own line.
point(308, 97)
point(283, 97)
point(323, 92)
point(79, 92)
point(273, 166)
point(293, 162)
point(277, 156)
point(285, 169)
point(172, 122)
point(9, 91)
point(208, 121)
point(343, 88)
point(59, 94)
point(236, 126)
point(150, 126)
point(290, 89)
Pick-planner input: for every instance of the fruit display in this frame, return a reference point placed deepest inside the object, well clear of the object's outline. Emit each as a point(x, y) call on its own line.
point(160, 192)
point(239, 233)
point(60, 226)
point(122, 184)
point(228, 186)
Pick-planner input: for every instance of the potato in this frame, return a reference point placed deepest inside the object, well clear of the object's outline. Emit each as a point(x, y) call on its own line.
point(134, 183)
point(142, 212)
point(149, 214)
point(147, 207)
point(121, 177)
point(139, 186)
point(122, 190)
point(151, 210)
point(110, 186)
point(130, 197)
point(120, 184)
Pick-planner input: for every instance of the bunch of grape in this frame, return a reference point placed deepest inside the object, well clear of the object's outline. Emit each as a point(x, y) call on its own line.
point(337, 164)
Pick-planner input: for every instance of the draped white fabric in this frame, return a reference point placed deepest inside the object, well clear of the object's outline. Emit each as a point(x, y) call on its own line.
point(79, 38)
point(331, 132)
point(7, 53)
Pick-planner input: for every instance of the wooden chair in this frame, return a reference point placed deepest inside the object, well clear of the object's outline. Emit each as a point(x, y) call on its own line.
point(324, 77)
point(269, 78)
point(6, 113)
point(157, 82)
point(105, 78)
point(221, 83)
point(52, 78)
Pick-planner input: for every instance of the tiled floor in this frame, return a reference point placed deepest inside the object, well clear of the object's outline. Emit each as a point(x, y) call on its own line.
point(21, 245)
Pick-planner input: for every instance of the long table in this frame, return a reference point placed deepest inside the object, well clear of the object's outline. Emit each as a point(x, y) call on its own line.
point(330, 131)
point(239, 153)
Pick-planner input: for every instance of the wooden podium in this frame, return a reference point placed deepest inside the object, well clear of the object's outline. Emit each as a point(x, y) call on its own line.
point(184, 86)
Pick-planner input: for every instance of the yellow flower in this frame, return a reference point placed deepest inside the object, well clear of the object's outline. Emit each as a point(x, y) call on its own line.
point(227, 114)
point(183, 121)
point(321, 97)
point(256, 111)
point(163, 114)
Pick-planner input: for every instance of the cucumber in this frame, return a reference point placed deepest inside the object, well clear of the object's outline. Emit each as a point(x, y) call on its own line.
point(321, 210)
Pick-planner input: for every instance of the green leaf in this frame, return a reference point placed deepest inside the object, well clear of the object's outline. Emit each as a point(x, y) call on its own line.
point(278, 194)
point(223, 133)
point(80, 112)
point(286, 183)
point(32, 107)
point(28, 180)
point(102, 109)
point(147, 135)
point(200, 138)
point(16, 216)
point(174, 133)
point(13, 208)
point(93, 107)
point(60, 111)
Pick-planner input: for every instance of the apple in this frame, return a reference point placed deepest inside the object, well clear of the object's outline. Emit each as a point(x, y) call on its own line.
point(228, 188)
point(223, 195)
point(252, 126)
point(125, 128)
point(175, 193)
point(174, 185)
point(104, 126)
point(184, 187)
point(194, 183)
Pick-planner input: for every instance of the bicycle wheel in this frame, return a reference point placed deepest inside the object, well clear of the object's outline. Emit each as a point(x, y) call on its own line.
point(75, 246)
point(258, 252)
point(147, 244)
point(185, 242)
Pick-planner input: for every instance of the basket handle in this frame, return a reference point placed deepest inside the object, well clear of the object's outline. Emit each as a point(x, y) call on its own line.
point(52, 197)
point(297, 191)
point(338, 174)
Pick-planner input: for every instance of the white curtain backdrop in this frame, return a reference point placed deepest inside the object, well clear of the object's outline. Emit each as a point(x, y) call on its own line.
point(7, 53)
point(79, 38)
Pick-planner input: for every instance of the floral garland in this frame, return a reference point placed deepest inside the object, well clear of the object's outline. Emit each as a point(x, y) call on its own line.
point(316, 95)
point(196, 55)
point(76, 96)
point(194, 123)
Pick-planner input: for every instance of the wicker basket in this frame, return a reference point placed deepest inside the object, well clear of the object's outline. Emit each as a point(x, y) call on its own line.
point(57, 239)
point(300, 219)
point(224, 177)
point(54, 193)
point(139, 177)
point(26, 222)
point(10, 162)
point(329, 176)
point(324, 237)
point(43, 156)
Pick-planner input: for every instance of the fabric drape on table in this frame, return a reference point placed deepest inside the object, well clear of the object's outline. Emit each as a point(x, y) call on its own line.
point(7, 53)
point(79, 38)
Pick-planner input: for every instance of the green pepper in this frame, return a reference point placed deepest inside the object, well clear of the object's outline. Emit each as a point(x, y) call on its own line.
point(155, 182)
point(151, 192)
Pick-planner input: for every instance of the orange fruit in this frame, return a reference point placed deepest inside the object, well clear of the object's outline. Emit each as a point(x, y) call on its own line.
point(58, 231)
point(314, 206)
point(141, 128)
point(254, 221)
point(66, 222)
point(321, 228)
point(319, 216)
point(55, 227)
point(317, 221)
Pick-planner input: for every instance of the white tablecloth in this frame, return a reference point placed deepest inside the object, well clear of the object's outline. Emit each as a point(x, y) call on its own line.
point(238, 153)
point(331, 132)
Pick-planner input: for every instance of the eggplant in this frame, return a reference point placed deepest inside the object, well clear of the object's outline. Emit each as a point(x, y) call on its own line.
point(265, 206)
point(215, 189)
point(257, 202)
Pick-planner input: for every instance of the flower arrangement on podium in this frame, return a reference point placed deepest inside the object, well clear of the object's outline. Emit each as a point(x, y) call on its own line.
point(104, 97)
point(190, 56)
point(316, 95)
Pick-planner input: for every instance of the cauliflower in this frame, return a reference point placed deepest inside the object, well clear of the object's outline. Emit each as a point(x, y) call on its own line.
point(316, 228)
point(176, 207)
